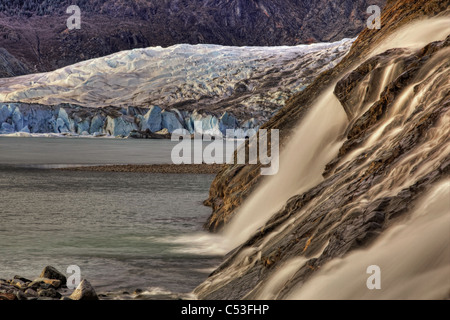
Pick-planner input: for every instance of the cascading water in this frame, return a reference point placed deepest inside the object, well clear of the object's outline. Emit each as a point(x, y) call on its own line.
point(316, 141)
point(413, 258)
point(314, 144)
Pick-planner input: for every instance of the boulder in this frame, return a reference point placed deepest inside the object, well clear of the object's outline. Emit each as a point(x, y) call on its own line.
point(22, 278)
point(21, 295)
point(38, 284)
point(49, 293)
point(8, 296)
point(31, 293)
point(50, 272)
point(18, 284)
point(84, 291)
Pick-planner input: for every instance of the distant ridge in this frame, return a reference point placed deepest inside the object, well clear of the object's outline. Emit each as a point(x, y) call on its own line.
point(35, 31)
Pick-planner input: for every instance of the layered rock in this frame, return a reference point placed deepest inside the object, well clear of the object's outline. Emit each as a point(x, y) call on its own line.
point(394, 150)
point(236, 182)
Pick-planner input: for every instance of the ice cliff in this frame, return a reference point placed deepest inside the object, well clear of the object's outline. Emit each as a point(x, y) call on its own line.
point(164, 88)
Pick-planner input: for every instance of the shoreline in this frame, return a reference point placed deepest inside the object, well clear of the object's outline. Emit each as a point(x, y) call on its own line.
point(151, 168)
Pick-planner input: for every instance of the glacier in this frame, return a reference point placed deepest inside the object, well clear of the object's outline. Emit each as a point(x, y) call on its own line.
point(157, 88)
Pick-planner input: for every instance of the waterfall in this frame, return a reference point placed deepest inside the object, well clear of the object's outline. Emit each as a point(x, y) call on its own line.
point(316, 141)
point(413, 252)
point(314, 144)
point(413, 256)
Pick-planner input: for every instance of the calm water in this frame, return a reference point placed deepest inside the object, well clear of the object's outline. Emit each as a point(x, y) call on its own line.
point(121, 229)
point(54, 152)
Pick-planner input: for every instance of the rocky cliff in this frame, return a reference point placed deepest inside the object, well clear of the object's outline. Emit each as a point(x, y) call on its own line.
point(236, 182)
point(10, 66)
point(387, 159)
point(35, 32)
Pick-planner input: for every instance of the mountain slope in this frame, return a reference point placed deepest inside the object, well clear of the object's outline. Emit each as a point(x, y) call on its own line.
point(10, 66)
point(35, 32)
point(378, 164)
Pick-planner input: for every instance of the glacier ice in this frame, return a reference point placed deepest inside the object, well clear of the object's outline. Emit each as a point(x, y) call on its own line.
point(152, 120)
point(199, 88)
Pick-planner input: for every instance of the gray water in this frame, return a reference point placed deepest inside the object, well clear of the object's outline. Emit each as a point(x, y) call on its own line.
point(63, 152)
point(119, 228)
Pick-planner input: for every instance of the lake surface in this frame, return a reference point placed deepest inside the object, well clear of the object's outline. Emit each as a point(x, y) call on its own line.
point(124, 230)
point(55, 152)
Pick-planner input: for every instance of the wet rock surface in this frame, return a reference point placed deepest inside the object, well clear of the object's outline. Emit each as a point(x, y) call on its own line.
point(236, 182)
point(393, 152)
point(84, 291)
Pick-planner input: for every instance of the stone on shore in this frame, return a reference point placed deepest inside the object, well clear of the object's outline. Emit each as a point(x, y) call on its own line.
point(48, 288)
point(21, 295)
point(7, 296)
point(22, 278)
point(45, 283)
point(50, 272)
point(31, 293)
point(18, 284)
point(49, 293)
point(84, 291)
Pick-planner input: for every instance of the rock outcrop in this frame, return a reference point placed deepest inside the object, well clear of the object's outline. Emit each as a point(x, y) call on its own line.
point(394, 150)
point(10, 66)
point(236, 182)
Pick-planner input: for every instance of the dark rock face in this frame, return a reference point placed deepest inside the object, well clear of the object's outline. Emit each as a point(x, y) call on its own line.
point(10, 66)
point(42, 41)
point(395, 150)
